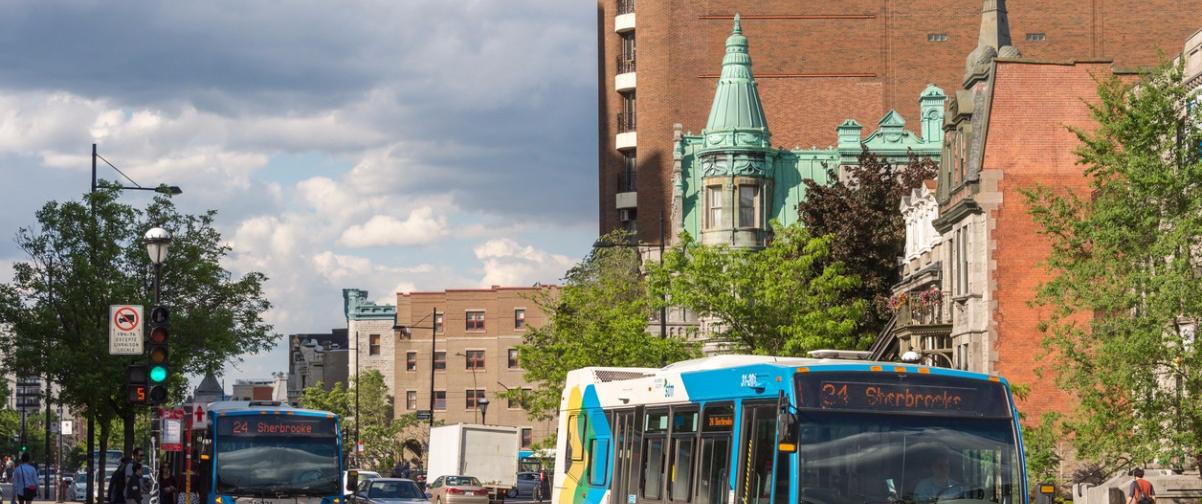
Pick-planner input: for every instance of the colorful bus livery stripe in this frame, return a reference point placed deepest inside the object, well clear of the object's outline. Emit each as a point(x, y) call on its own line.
point(612, 418)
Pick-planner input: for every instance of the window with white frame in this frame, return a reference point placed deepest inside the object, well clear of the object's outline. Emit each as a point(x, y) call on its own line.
point(713, 205)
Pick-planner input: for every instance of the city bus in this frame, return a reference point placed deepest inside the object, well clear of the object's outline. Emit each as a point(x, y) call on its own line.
point(263, 452)
point(767, 430)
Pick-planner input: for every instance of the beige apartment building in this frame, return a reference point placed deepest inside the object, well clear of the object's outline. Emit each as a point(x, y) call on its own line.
point(475, 335)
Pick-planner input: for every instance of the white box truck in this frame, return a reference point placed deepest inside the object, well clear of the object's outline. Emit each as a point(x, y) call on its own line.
point(488, 452)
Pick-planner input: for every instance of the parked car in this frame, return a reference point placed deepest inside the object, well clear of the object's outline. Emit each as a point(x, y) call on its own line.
point(363, 476)
point(79, 487)
point(457, 490)
point(389, 491)
point(526, 483)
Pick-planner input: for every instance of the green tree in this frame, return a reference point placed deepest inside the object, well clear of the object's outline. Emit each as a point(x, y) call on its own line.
point(384, 436)
point(1123, 299)
point(598, 318)
point(860, 210)
point(785, 299)
point(84, 256)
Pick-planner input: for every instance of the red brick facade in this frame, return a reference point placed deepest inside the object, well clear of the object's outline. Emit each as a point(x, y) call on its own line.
point(1024, 149)
point(819, 62)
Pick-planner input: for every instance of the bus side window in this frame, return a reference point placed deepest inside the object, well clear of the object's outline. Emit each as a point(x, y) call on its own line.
point(598, 450)
point(655, 430)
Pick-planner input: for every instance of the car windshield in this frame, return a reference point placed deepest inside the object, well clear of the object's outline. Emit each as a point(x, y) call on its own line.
point(462, 481)
point(865, 458)
point(394, 490)
point(253, 460)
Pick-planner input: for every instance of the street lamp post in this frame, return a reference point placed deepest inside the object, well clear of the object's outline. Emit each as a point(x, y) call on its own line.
point(914, 356)
point(158, 241)
point(91, 421)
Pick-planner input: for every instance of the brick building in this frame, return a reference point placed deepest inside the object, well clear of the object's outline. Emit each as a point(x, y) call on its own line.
point(1007, 129)
point(476, 332)
point(818, 63)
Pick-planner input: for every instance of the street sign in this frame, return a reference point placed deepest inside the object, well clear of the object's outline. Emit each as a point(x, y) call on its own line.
point(423, 414)
point(125, 330)
point(172, 438)
point(67, 428)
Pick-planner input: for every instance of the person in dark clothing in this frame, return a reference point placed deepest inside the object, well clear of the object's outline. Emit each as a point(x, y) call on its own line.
point(167, 485)
point(133, 486)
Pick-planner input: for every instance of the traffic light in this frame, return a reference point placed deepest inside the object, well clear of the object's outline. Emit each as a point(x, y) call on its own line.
point(135, 385)
point(158, 368)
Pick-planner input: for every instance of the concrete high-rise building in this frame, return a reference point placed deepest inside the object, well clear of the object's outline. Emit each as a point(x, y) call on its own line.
point(817, 64)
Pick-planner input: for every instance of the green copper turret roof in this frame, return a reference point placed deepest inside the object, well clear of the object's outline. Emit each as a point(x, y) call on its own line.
point(736, 107)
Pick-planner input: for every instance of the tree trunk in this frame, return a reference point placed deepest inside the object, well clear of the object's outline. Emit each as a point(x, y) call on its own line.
point(91, 486)
point(105, 427)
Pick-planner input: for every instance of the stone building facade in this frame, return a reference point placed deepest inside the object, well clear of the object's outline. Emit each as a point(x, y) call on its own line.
point(818, 62)
point(369, 329)
point(475, 337)
point(316, 358)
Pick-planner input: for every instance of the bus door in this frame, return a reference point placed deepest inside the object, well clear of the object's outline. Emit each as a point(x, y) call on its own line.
point(624, 445)
point(713, 473)
point(758, 438)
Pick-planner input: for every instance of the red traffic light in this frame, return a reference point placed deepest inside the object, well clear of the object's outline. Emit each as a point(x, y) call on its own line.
point(158, 335)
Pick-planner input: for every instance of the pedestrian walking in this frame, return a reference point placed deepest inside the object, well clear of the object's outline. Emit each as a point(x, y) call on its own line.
point(25, 481)
point(133, 486)
point(1141, 490)
point(8, 469)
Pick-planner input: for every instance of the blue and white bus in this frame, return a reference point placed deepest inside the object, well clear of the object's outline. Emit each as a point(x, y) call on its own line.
point(766, 430)
point(265, 453)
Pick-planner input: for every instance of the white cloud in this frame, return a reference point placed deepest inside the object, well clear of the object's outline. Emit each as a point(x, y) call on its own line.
point(421, 227)
point(508, 263)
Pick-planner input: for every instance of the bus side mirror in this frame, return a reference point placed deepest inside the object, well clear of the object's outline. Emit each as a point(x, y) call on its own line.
point(786, 432)
point(352, 481)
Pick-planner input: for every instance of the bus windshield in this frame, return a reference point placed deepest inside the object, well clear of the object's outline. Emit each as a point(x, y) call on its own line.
point(277, 456)
point(890, 437)
point(861, 458)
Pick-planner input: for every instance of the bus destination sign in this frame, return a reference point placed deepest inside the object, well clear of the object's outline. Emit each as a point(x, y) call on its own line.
point(897, 397)
point(276, 425)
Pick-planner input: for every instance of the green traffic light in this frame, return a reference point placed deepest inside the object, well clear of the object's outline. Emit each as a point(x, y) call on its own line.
point(158, 374)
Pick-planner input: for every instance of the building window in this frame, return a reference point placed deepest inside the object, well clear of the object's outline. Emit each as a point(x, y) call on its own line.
point(936, 37)
point(527, 437)
point(474, 359)
point(410, 361)
point(629, 180)
point(519, 318)
point(475, 321)
point(626, 118)
point(440, 360)
point(1037, 37)
point(513, 359)
point(473, 398)
point(749, 206)
point(520, 401)
point(373, 344)
point(438, 322)
point(440, 399)
point(626, 56)
point(410, 400)
point(713, 204)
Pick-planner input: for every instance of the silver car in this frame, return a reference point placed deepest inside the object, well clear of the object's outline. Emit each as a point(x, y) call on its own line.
point(389, 491)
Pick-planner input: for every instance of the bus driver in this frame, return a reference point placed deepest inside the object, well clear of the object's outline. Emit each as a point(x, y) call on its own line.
point(939, 486)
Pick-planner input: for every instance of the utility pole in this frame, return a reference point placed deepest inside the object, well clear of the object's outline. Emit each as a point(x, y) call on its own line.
point(663, 309)
point(433, 338)
point(357, 419)
point(59, 457)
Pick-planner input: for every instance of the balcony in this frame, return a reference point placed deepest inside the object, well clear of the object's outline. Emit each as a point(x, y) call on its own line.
point(627, 138)
point(922, 311)
point(628, 181)
point(625, 63)
point(626, 121)
point(625, 7)
point(624, 81)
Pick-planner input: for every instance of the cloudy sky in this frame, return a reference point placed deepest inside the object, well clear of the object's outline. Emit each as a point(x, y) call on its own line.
point(385, 145)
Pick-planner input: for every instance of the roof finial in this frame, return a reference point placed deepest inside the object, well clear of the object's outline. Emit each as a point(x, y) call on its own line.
point(738, 27)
